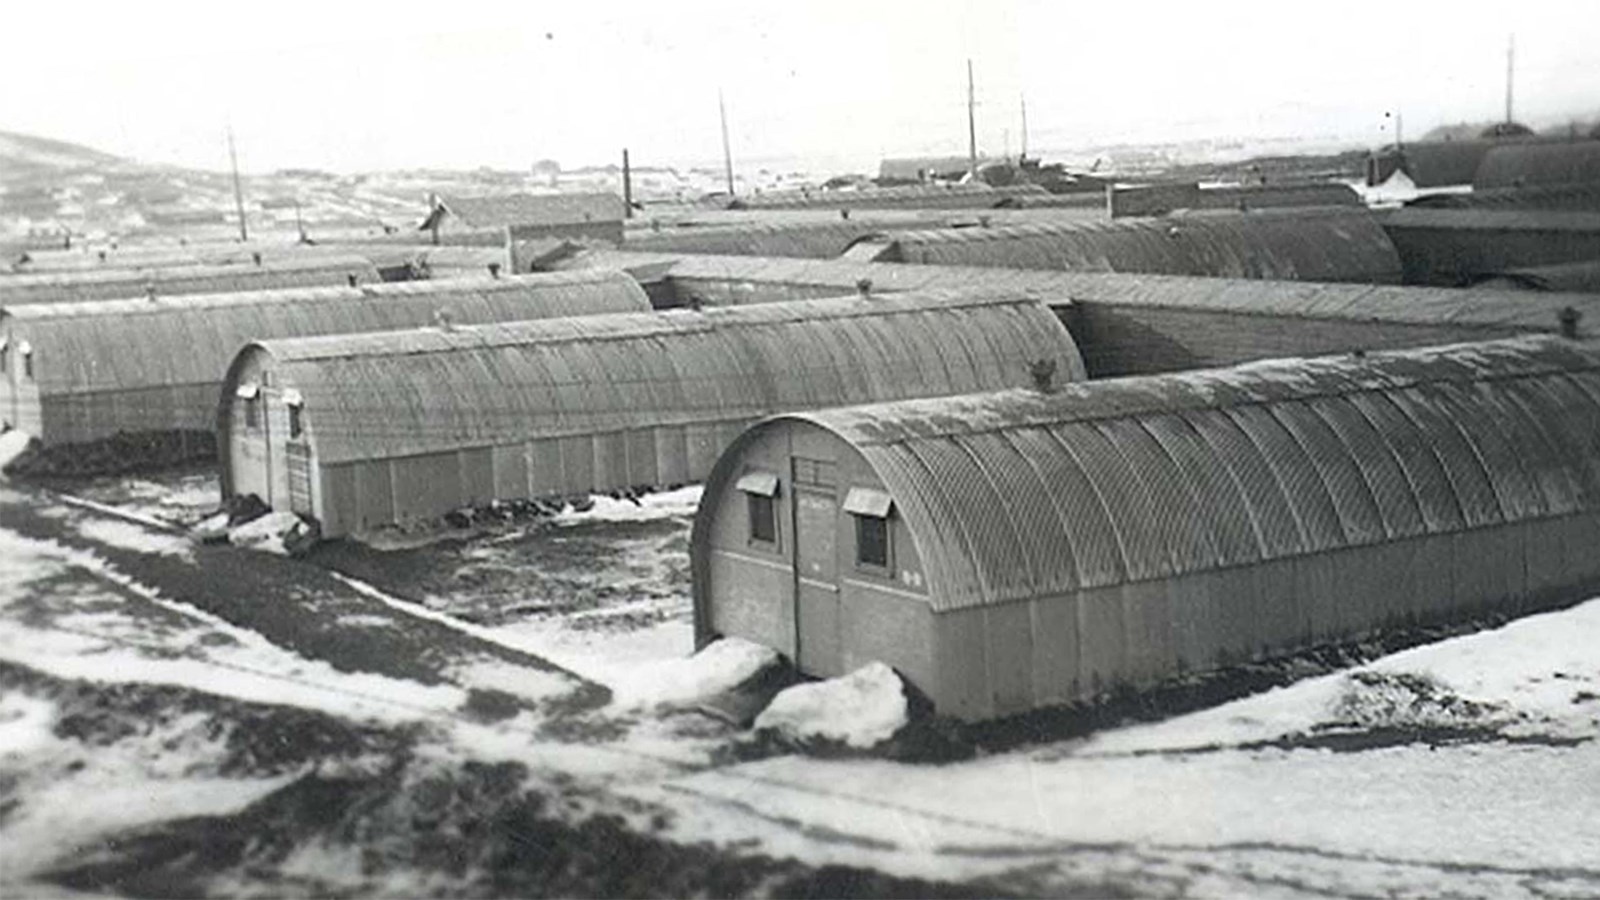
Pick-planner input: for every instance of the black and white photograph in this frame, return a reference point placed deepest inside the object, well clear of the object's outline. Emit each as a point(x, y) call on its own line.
point(712, 448)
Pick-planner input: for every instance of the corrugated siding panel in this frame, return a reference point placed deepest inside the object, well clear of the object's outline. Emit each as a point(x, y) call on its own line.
point(1302, 485)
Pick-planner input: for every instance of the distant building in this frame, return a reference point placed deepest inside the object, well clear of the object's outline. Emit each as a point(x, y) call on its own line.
point(529, 218)
point(926, 168)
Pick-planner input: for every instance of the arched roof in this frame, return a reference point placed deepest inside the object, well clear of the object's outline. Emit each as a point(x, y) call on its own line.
point(385, 395)
point(107, 284)
point(1400, 304)
point(1565, 197)
point(814, 240)
point(1542, 163)
point(1578, 277)
point(911, 196)
point(1017, 494)
point(1306, 245)
point(122, 344)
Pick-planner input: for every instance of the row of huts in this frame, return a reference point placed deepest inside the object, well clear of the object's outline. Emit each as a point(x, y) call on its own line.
point(910, 461)
point(1490, 162)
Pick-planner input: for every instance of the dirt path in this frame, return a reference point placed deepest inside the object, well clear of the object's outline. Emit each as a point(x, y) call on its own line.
point(295, 605)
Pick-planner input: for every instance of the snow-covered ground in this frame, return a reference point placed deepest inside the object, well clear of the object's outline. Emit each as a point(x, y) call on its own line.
point(1469, 767)
point(1463, 768)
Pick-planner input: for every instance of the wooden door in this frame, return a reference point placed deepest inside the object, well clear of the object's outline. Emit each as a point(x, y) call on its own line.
point(816, 565)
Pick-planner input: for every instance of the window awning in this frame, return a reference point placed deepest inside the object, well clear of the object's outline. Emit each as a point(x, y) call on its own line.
point(763, 484)
point(291, 397)
point(4, 341)
point(247, 391)
point(862, 501)
point(24, 348)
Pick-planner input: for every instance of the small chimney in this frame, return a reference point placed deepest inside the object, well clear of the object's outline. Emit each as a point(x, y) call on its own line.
point(844, 214)
point(150, 290)
point(1569, 322)
point(102, 256)
point(441, 318)
point(256, 255)
point(983, 221)
point(350, 277)
point(1043, 372)
point(494, 270)
point(864, 288)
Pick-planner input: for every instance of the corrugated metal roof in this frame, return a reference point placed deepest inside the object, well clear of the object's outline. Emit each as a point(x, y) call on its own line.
point(1485, 308)
point(1542, 163)
point(404, 393)
point(1017, 494)
point(812, 240)
point(1306, 245)
point(1573, 197)
point(1581, 277)
point(1521, 220)
point(77, 287)
point(966, 196)
point(128, 344)
point(1437, 163)
point(166, 256)
point(534, 209)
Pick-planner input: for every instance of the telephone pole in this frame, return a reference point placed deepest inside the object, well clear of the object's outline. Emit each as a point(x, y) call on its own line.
point(1024, 126)
point(727, 154)
point(972, 129)
point(238, 193)
point(1511, 55)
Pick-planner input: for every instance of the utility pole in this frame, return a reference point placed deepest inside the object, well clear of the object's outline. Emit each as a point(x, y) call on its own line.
point(238, 193)
point(627, 185)
point(1511, 55)
point(1024, 126)
point(727, 154)
point(972, 129)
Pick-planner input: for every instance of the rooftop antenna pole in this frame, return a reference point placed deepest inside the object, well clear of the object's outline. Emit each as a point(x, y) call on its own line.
point(238, 193)
point(727, 154)
point(1511, 55)
point(972, 129)
point(1024, 126)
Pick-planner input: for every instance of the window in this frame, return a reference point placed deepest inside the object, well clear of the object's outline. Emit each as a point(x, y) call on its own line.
point(872, 542)
point(871, 509)
point(5, 356)
point(763, 519)
point(761, 490)
point(27, 360)
point(293, 400)
point(251, 395)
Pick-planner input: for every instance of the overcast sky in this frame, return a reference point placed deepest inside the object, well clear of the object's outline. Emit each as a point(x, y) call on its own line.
point(460, 83)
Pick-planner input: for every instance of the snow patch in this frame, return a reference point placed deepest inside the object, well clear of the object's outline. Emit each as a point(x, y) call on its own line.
point(266, 533)
point(12, 443)
point(129, 536)
point(680, 503)
point(719, 667)
point(25, 724)
point(862, 709)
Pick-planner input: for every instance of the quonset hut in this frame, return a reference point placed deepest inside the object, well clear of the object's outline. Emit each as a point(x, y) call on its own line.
point(112, 284)
point(78, 372)
point(1298, 245)
point(1542, 164)
point(1144, 324)
point(1015, 550)
point(362, 431)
